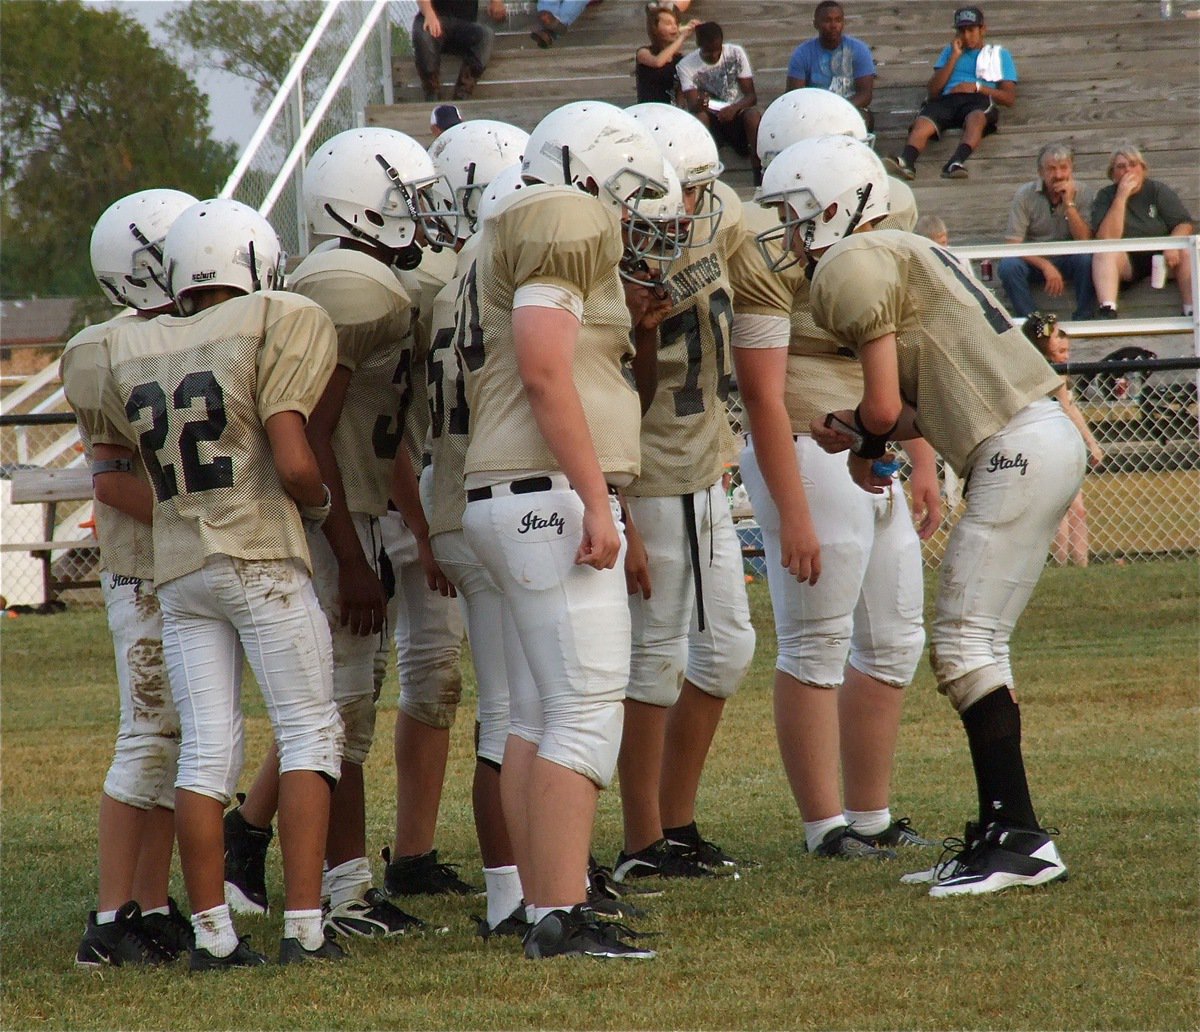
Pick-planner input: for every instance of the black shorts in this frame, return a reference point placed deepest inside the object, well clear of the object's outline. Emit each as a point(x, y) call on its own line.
point(1140, 261)
point(731, 133)
point(950, 111)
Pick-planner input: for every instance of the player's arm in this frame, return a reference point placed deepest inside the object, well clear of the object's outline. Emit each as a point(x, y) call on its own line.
point(298, 470)
point(361, 598)
point(923, 486)
point(637, 562)
point(761, 374)
point(545, 347)
point(118, 486)
point(406, 494)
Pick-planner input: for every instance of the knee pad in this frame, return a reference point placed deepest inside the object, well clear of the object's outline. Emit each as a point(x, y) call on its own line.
point(430, 692)
point(583, 733)
point(143, 770)
point(963, 689)
point(718, 671)
point(491, 735)
point(318, 749)
point(816, 654)
point(656, 671)
point(892, 661)
point(358, 720)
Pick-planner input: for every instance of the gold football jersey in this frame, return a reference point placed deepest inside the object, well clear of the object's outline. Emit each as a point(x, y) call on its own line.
point(964, 366)
point(373, 316)
point(681, 437)
point(425, 282)
point(195, 393)
point(449, 414)
point(564, 238)
point(126, 544)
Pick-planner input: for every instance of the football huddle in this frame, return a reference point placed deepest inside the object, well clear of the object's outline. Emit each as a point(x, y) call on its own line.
point(492, 401)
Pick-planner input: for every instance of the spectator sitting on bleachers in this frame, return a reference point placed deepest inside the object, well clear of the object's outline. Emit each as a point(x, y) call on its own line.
point(968, 81)
point(718, 88)
point(1050, 207)
point(656, 63)
point(934, 228)
point(554, 18)
point(1135, 206)
point(833, 61)
point(452, 26)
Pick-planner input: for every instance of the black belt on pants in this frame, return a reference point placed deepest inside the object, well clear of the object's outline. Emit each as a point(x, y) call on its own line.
point(529, 485)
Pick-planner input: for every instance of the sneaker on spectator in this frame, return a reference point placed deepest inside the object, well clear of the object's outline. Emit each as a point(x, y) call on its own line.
point(371, 916)
point(422, 875)
point(242, 956)
point(245, 863)
point(172, 933)
point(1106, 312)
point(120, 942)
point(658, 861)
point(581, 932)
point(1003, 857)
point(844, 843)
point(895, 163)
point(954, 170)
point(898, 833)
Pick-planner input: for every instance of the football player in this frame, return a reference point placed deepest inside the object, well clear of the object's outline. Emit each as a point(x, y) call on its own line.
point(216, 400)
point(942, 360)
point(692, 636)
point(135, 921)
point(368, 192)
point(850, 641)
point(554, 435)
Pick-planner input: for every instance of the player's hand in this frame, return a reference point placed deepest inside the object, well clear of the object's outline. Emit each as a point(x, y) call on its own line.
point(435, 579)
point(647, 299)
point(830, 438)
point(926, 501)
point(862, 474)
point(433, 25)
point(799, 549)
point(601, 542)
point(1054, 281)
point(637, 563)
point(362, 602)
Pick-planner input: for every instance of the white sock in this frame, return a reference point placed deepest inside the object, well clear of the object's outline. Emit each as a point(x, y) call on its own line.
point(530, 910)
point(104, 917)
point(815, 831)
point(540, 912)
point(869, 822)
point(346, 881)
point(1108, 304)
point(503, 892)
point(1187, 309)
point(165, 911)
point(304, 925)
point(214, 931)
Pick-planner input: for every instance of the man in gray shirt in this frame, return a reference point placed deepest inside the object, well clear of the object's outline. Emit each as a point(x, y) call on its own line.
point(1051, 207)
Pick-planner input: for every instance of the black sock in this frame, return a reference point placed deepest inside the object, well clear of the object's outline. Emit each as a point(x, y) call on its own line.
point(993, 727)
point(686, 833)
point(961, 153)
point(910, 155)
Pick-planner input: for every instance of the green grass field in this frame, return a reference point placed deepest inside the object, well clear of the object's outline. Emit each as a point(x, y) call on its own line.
point(1107, 665)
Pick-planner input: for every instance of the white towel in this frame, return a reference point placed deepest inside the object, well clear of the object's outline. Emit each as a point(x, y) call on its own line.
point(987, 64)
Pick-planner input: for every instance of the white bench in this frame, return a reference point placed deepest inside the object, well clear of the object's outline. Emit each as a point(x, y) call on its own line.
point(49, 487)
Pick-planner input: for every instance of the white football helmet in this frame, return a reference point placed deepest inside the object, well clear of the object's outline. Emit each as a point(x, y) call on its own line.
point(809, 177)
point(126, 249)
point(903, 206)
point(467, 157)
point(221, 243)
point(598, 148)
point(804, 115)
point(692, 152)
point(375, 184)
point(503, 186)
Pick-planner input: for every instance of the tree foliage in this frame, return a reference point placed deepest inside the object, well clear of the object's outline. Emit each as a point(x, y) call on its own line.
point(255, 41)
point(91, 111)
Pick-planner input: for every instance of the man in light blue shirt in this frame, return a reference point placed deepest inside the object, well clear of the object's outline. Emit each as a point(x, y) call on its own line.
point(833, 61)
point(969, 81)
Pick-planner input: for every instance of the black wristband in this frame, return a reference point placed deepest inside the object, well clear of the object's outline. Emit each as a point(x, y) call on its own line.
point(874, 446)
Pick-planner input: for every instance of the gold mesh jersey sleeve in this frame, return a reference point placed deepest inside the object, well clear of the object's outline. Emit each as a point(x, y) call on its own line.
point(437, 268)
point(373, 316)
point(963, 365)
point(681, 434)
point(126, 544)
point(756, 289)
point(449, 414)
point(566, 238)
point(195, 393)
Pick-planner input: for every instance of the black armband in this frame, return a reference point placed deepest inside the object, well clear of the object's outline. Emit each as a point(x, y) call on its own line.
point(874, 446)
point(111, 466)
